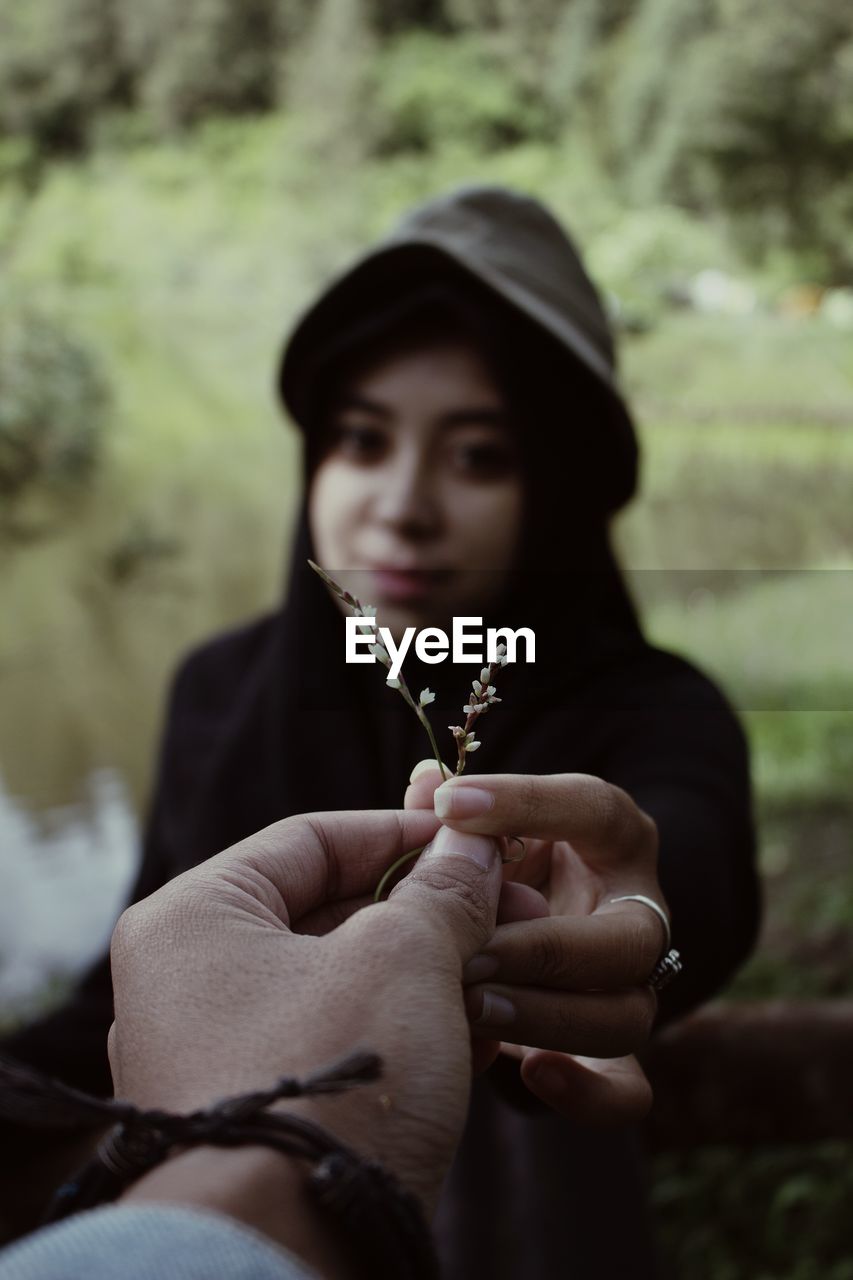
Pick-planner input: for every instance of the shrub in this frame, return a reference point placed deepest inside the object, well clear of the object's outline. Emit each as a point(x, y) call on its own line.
point(53, 407)
point(429, 90)
point(60, 62)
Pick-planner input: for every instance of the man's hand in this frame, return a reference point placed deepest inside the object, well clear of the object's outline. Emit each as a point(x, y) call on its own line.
point(565, 987)
point(216, 992)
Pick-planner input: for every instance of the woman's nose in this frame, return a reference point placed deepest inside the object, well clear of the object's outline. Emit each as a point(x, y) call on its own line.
point(407, 500)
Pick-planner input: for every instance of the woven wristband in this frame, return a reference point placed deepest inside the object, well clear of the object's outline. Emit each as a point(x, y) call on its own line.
point(382, 1226)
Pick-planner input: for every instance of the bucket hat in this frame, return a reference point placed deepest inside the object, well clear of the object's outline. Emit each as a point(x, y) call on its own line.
point(513, 246)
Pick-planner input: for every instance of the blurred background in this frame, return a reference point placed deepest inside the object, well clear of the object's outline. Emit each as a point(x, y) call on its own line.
point(175, 183)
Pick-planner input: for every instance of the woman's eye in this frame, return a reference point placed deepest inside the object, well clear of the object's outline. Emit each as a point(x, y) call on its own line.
point(361, 444)
point(485, 461)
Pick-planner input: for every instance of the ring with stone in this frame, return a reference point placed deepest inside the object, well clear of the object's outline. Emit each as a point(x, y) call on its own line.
point(666, 969)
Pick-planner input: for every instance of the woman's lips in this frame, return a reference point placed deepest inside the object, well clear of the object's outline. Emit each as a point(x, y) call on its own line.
point(406, 584)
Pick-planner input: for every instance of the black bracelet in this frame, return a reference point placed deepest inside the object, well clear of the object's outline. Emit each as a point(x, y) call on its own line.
point(382, 1224)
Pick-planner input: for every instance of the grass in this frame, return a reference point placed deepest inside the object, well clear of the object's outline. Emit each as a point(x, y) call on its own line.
point(773, 1214)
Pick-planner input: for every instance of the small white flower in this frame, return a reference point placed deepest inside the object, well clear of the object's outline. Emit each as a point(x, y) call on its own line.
point(491, 700)
point(392, 683)
point(379, 651)
point(477, 687)
point(484, 675)
point(473, 708)
point(456, 730)
point(490, 690)
point(471, 746)
point(470, 737)
point(366, 611)
point(501, 650)
point(427, 696)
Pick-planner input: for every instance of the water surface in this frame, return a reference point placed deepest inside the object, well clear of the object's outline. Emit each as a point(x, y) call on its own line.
point(65, 873)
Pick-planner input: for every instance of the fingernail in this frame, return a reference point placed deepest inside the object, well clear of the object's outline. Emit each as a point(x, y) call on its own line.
point(462, 802)
point(480, 967)
point(480, 849)
point(423, 766)
point(498, 1011)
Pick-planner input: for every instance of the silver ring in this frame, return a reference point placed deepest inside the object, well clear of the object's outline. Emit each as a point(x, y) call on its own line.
point(658, 910)
point(665, 970)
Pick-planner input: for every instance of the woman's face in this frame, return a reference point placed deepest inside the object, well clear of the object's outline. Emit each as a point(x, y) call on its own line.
point(419, 487)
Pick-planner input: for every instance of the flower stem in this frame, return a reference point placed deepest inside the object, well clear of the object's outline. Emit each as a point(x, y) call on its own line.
point(432, 742)
point(407, 857)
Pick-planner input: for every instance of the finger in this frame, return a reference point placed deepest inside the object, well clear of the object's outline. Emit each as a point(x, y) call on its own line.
point(520, 902)
point(456, 883)
point(606, 950)
point(601, 1093)
point(298, 865)
point(423, 781)
point(603, 1025)
point(599, 820)
point(517, 902)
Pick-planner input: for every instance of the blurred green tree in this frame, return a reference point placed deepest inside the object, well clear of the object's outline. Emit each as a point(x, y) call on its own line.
point(428, 91)
point(61, 62)
point(391, 16)
point(202, 57)
point(643, 104)
point(54, 403)
point(754, 116)
point(327, 77)
point(778, 134)
point(729, 106)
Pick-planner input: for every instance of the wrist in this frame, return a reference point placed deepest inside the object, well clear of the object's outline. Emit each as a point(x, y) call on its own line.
point(304, 1172)
point(258, 1188)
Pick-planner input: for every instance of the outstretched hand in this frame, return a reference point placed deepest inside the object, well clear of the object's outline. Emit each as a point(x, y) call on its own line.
point(564, 986)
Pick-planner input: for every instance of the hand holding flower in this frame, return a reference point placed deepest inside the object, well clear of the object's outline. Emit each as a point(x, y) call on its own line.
point(572, 981)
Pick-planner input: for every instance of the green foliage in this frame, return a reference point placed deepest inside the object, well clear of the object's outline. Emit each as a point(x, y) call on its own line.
point(64, 64)
point(754, 115)
point(327, 79)
point(645, 258)
point(728, 107)
point(785, 1213)
point(60, 63)
point(569, 62)
point(53, 403)
point(779, 135)
point(202, 57)
point(429, 91)
point(648, 79)
point(389, 17)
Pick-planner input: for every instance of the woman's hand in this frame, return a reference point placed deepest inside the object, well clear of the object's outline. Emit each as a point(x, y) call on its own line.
point(574, 980)
point(216, 992)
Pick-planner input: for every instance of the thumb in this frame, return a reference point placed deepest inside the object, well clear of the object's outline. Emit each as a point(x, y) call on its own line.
point(457, 883)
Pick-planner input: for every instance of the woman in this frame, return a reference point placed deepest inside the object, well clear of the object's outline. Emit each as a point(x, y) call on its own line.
point(465, 448)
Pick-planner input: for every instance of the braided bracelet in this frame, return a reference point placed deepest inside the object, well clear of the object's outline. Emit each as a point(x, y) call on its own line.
point(384, 1228)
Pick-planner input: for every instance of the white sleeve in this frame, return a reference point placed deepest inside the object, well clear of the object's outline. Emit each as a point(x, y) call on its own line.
point(163, 1241)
